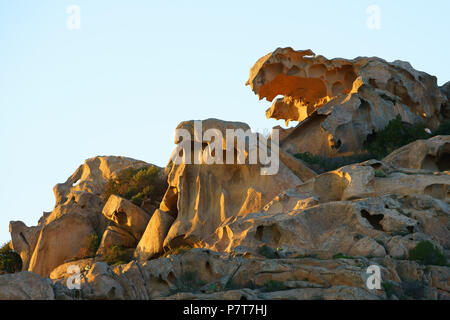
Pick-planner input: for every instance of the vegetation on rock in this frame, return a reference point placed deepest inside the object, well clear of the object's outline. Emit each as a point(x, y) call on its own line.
point(116, 255)
point(268, 252)
point(137, 185)
point(322, 164)
point(189, 281)
point(395, 135)
point(378, 145)
point(178, 250)
point(90, 247)
point(10, 261)
point(273, 285)
point(426, 253)
point(342, 256)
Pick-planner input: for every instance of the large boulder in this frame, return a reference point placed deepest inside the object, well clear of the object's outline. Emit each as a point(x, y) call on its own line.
point(116, 236)
point(432, 154)
point(126, 215)
point(60, 240)
point(23, 241)
point(25, 286)
point(151, 244)
point(340, 102)
point(203, 196)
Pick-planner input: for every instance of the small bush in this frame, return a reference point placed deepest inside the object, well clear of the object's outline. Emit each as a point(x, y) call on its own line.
point(189, 281)
point(176, 251)
point(342, 256)
point(378, 144)
point(427, 254)
point(90, 247)
point(395, 135)
point(389, 288)
point(273, 285)
point(137, 185)
point(5, 248)
point(268, 252)
point(414, 289)
point(10, 261)
point(322, 164)
point(380, 174)
point(116, 255)
point(444, 129)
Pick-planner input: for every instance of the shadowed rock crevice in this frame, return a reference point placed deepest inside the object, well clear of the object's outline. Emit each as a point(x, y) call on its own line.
point(374, 219)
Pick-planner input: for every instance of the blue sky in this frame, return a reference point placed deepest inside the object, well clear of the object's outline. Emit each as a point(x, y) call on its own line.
point(121, 83)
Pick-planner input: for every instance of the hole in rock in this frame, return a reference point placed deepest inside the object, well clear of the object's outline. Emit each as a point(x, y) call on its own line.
point(443, 162)
point(374, 219)
point(121, 218)
point(410, 229)
point(269, 234)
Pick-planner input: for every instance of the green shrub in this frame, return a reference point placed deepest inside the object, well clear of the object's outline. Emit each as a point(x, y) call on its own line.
point(389, 288)
point(395, 135)
point(380, 174)
point(427, 254)
point(137, 185)
point(178, 250)
point(10, 261)
point(378, 144)
point(342, 256)
point(273, 285)
point(444, 129)
point(116, 255)
point(322, 164)
point(414, 289)
point(188, 281)
point(89, 247)
point(5, 248)
point(268, 252)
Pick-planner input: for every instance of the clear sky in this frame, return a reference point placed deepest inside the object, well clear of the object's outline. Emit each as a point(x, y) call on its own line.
point(121, 83)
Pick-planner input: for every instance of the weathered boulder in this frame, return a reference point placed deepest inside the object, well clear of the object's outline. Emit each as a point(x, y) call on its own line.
point(23, 241)
point(151, 244)
point(60, 240)
point(205, 274)
point(340, 102)
point(431, 154)
point(126, 215)
point(63, 271)
point(203, 196)
point(25, 286)
point(60, 234)
point(116, 236)
point(354, 210)
point(93, 175)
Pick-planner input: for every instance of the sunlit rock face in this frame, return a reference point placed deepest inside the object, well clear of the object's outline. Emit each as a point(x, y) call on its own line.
point(77, 214)
point(339, 102)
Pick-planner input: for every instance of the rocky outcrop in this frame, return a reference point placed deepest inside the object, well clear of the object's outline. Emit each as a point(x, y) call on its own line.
point(127, 215)
point(25, 286)
point(205, 274)
point(432, 154)
point(231, 231)
point(201, 197)
point(60, 234)
point(368, 209)
point(340, 102)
